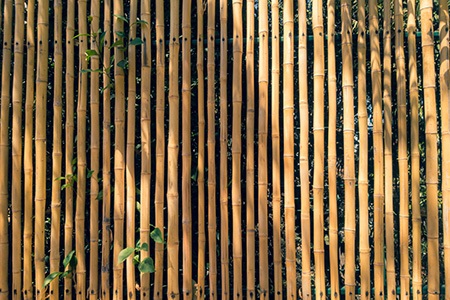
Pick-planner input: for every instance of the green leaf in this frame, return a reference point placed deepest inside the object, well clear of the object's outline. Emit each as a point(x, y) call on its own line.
point(156, 235)
point(121, 34)
point(81, 35)
point(73, 263)
point(60, 178)
point(64, 275)
point(122, 64)
point(68, 258)
point(123, 255)
point(144, 247)
point(116, 44)
point(121, 18)
point(51, 277)
point(140, 22)
point(146, 265)
point(136, 42)
point(90, 18)
point(89, 174)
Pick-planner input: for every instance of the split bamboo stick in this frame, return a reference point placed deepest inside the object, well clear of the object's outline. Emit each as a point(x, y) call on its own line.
point(186, 150)
point(429, 88)
point(319, 137)
point(40, 142)
point(288, 133)
point(306, 290)
point(332, 120)
point(363, 172)
point(276, 162)
point(55, 259)
point(160, 149)
point(16, 178)
point(173, 291)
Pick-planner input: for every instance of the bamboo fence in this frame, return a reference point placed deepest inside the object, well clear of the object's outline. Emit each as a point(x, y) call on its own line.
point(224, 149)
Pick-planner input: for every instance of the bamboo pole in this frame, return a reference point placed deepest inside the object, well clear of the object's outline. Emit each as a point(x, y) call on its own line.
point(224, 251)
point(55, 259)
point(349, 162)
point(319, 137)
point(332, 116)
point(288, 132)
point(212, 225)
point(27, 291)
point(95, 156)
point(379, 279)
point(130, 161)
point(429, 87)
point(250, 155)
point(119, 152)
point(276, 163)
point(172, 152)
point(306, 290)
point(186, 150)
point(40, 142)
point(159, 186)
point(263, 128)
point(4, 144)
point(201, 261)
point(106, 157)
point(146, 60)
point(69, 141)
point(415, 154)
point(363, 172)
point(16, 180)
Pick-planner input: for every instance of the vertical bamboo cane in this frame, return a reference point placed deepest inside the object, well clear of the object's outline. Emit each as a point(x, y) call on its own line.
point(363, 176)
point(57, 150)
point(146, 61)
point(288, 132)
point(429, 87)
point(106, 156)
point(415, 154)
point(319, 136)
point(28, 157)
point(224, 253)
point(212, 225)
point(304, 154)
point(186, 151)
point(349, 162)
point(159, 187)
point(276, 163)
point(263, 128)
point(172, 152)
point(201, 262)
point(16, 180)
point(131, 138)
point(250, 157)
point(4, 143)
point(69, 142)
point(40, 141)
point(119, 152)
point(379, 260)
point(95, 156)
point(445, 128)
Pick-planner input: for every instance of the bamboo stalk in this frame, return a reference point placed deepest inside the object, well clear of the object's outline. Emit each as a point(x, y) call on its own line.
point(349, 162)
point(186, 150)
point(415, 155)
point(16, 180)
point(95, 156)
point(40, 142)
point(146, 60)
point(130, 161)
point(159, 186)
point(224, 251)
point(306, 290)
point(379, 279)
point(119, 152)
point(429, 87)
point(363, 172)
point(57, 150)
point(172, 152)
point(106, 157)
point(332, 116)
point(319, 137)
point(69, 141)
point(276, 162)
point(288, 132)
point(4, 143)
